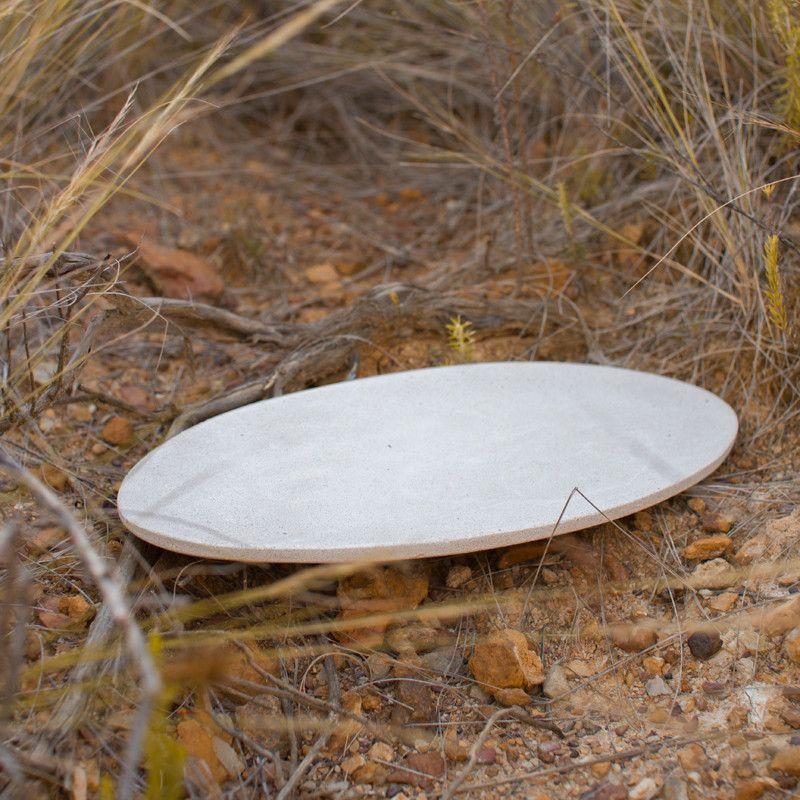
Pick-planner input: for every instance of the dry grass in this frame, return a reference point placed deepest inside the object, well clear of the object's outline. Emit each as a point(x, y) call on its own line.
point(644, 150)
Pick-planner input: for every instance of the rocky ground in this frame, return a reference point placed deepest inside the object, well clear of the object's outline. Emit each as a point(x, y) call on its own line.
point(653, 657)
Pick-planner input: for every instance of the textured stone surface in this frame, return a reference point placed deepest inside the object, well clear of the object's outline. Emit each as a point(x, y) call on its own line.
point(428, 462)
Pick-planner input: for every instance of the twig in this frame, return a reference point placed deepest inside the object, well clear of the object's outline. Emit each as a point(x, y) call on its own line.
point(203, 313)
point(119, 609)
point(305, 764)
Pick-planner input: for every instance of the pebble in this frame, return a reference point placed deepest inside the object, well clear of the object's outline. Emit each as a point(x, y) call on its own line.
point(707, 547)
point(704, 644)
point(644, 790)
point(556, 683)
point(675, 787)
point(723, 602)
point(692, 757)
point(717, 522)
point(605, 791)
point(117, 431)
point(656, 687)
point(654, 665)
point(714, 574)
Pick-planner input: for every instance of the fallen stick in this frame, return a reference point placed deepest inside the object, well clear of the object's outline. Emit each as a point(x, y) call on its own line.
point(119, 610)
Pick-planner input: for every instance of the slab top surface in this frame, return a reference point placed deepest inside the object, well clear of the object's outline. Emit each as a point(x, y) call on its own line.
point(429, 462)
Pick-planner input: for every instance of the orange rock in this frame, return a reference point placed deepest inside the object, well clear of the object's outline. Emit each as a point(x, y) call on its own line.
point(117, 431)
point(707, 547)
point(422, 769)
point(512, 697)
point(505, 660)
point(64, 611)
point(717, 522)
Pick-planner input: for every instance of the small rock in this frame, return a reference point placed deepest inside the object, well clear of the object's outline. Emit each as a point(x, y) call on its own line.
point(54, 477)
point(605, 791)
point(372, 773)
point(714, 574)
point(658, 716)
point(787, 760)
point(414, 692)
point(380, 751)
point(414, 637)
point(708, 547)
point(697, 504)
point(654, 665)
point(556, 683)
point(704, 644)
point(633, 638)
point(379, 665)
point(486, 755)
point(514, 696)
point(351, 764)
point(723, 602)
point(601, 769)
point(644, 790)
point(692, 757)
point(791, 645)
point(447, 661)
point(656, 687)
point(422, 769)
point(458, 575)
point(454, 748)
point(717, 522)
point(751, 550)
point(675, 787)
point(117, 431)
point(505, 660)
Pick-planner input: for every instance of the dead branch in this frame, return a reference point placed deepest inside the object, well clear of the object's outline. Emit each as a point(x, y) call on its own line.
point(118, 606)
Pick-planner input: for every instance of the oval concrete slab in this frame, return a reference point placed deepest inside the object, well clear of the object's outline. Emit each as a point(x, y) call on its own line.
point(428, 462)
